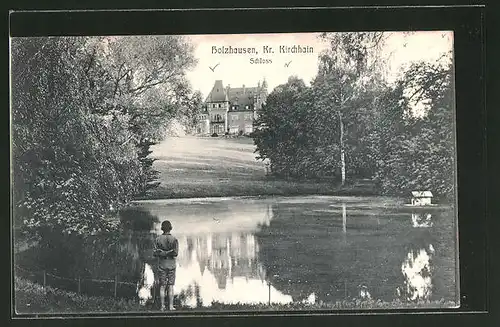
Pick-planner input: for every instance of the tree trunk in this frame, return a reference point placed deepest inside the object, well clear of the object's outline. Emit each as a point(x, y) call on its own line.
point(342, 152)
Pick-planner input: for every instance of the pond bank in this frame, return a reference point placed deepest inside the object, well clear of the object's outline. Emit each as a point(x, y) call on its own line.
point(32, 299)
point(254, 188)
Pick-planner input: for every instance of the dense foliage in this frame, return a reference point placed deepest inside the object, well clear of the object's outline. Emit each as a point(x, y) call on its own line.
point(351, 123)
point(191, 110)
point(422, 154)
point(82, 110)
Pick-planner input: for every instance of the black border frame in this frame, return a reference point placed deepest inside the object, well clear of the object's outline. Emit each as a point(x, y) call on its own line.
point(468, 26)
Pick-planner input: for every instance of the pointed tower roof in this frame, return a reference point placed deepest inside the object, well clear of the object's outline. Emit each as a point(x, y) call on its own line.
point(264, 83)
point(218, 93)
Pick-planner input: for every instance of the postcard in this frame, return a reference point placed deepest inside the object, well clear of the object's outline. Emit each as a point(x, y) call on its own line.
point(234, 172)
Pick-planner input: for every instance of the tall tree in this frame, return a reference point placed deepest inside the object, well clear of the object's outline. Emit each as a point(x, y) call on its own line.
point(279, 134)
point(69, 166)
point(80, 106)
point(191, 110)
point(422, 155)
point(347, 68)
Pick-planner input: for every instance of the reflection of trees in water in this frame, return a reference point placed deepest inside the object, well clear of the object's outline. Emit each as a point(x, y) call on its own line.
point(137, 219)
point(190, 296)
point(125, 251)
point(101, 256)
point(429, 264)
point(416, 265)
point(295, 262)
point(303, 254)
point(443, 261)
point(73, 256)
point(136, 246)
point(421, 219)
point(417, 271)
point(331, 254)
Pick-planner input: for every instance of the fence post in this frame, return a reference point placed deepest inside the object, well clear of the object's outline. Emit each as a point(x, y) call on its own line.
point(116, 283)
point(155, 291)
point(79, 287)
point(345, 289)
point(269, 285)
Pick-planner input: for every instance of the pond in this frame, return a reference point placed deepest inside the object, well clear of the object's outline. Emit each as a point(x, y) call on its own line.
point(277, 249)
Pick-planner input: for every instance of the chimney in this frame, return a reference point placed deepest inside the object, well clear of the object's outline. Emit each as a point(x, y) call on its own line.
point(243, 88)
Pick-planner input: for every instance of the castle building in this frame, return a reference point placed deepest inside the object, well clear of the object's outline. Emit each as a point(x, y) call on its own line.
point(231, 110)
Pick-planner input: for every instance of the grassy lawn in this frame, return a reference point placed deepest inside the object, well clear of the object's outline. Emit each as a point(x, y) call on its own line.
point(31, 298)
point(206, 167)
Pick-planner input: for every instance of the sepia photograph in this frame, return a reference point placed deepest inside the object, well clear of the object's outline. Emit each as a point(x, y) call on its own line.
point(234, 172)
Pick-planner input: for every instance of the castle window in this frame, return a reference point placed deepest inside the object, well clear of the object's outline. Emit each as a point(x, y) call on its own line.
point(213, 106)
point(220, 105)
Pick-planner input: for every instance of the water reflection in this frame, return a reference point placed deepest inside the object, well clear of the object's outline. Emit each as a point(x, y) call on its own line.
point(344, 218)
point(224, 268)
point(364, 293)
point(311, 299)
point(290, 250)
point(217, 282)
point(145, 285)
point(299, 254)
point(218, 252)
point(421, 219)
point(416, 269)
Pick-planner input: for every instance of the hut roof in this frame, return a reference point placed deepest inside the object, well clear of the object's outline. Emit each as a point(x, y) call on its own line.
point(421, 194)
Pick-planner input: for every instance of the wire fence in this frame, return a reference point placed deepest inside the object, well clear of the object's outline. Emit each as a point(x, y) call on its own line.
point(122, 289)
point(90, 286)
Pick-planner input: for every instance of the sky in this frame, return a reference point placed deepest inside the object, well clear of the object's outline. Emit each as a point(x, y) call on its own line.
point(237, 69)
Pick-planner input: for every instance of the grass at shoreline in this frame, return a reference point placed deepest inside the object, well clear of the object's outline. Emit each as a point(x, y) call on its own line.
point(253, 188)
point(30, 298)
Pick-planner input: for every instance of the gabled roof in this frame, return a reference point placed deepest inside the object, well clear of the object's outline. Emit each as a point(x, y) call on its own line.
point(421, 194)
point(242, 102)
point(238, 92)
point(237, 95)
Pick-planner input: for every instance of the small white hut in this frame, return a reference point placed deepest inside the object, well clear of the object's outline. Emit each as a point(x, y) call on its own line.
point(421, 198)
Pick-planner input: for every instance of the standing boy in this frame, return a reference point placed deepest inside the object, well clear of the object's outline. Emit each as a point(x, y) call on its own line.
point(166, 249)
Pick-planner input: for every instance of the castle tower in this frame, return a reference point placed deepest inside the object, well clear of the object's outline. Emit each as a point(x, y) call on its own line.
point(217, 106)
point(261, 97)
